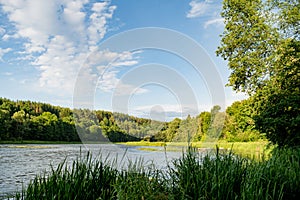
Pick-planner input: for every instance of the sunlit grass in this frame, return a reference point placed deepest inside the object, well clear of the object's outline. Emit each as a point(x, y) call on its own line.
point(148, 149)
point(144, 143)
point(247, 149)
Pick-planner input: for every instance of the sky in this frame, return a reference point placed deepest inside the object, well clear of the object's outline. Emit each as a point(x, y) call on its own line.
point(153, 59)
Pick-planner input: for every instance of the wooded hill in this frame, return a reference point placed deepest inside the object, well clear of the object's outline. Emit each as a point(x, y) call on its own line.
point(27, 120)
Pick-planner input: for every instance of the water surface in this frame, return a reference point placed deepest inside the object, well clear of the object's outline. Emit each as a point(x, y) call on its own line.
point(20, 163)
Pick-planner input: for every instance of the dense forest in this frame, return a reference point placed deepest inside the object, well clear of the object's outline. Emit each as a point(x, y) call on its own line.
point(27, 120)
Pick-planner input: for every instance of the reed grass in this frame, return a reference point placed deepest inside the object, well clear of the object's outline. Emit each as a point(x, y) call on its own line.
point(214, 175)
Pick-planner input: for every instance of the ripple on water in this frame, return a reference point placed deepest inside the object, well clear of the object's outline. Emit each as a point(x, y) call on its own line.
point(21, 163)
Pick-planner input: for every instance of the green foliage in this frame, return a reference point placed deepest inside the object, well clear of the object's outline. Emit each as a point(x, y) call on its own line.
point(239, 124)
point(26, 120)
point(204, 122)
point(247, 43)
point(187, 130)
point(261, 44)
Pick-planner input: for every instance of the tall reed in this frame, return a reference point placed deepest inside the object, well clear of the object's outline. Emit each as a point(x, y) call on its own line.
point(217, 175)
point(86, 179)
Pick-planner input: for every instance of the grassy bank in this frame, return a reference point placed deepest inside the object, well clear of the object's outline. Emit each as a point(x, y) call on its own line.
point(246, 149)
point(193, 176)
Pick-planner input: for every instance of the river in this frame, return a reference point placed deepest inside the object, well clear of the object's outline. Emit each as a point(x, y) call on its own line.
point(21, 163)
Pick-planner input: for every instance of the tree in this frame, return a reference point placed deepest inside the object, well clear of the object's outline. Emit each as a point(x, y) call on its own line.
point(239, 124)
point(261, 44)
point(186, 130)
point(20, 118)
point(44, 127)
point(204, 122)
point(5, 124)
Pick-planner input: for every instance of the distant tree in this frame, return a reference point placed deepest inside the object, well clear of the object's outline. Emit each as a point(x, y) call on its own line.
point(20, 118)
point(187, 130)
point(204, 122)
point(5, 124)
point(239, 124)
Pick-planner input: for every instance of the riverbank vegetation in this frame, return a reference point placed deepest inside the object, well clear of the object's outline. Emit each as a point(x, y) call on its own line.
point(255, 149)
point(193, 176)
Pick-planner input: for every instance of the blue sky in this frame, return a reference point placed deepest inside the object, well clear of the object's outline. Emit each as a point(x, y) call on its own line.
point(44, 44)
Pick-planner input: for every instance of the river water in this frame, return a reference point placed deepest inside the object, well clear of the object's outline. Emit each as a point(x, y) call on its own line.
point(21, 163)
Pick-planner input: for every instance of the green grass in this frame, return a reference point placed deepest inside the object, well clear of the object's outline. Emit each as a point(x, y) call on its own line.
point(148, 149)
point(144, 143)
point(247, 149)
point(217, 175)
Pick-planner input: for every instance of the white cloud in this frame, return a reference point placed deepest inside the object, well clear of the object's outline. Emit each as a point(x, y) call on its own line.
point(58, 35)
point(208, 9)
point(107, 64)
point(98, 21)
point(216, 22)
point(4, 51)
point(2, 31)
point(7, 73)
point(198, 8)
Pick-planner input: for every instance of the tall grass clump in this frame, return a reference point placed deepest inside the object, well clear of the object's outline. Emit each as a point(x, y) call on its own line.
point(86, 179)
point(275, 178)
point(141, 181)
point(212, 176)
point(229, 176)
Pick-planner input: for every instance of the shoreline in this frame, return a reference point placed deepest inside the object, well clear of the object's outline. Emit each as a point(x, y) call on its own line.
point(38, 142)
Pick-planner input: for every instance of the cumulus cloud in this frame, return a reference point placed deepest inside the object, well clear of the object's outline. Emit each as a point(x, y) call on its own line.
point(216, 22)
point(107, 65)
point(2, 31)
point(198, 8)
point(58, 36)
point(206, 8)
point(4, 51)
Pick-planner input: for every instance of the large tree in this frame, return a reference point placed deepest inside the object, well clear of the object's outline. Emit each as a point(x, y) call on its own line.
point(261, 44)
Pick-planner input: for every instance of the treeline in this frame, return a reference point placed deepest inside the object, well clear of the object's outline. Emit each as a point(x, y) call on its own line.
point(27, 120)
point(236, 124)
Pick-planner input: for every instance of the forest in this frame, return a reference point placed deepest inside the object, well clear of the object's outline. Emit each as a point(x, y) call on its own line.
point(27, 120)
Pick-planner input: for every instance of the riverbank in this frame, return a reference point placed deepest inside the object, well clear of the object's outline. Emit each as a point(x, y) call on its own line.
point(248, 149)
point(37, 142)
